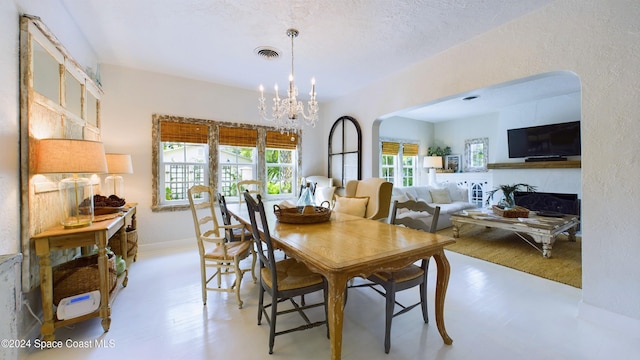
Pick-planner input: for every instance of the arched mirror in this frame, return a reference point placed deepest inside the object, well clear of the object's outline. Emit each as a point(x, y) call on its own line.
point(345, 150)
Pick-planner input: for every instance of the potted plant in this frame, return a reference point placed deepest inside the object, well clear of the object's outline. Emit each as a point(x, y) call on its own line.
point(508, 201)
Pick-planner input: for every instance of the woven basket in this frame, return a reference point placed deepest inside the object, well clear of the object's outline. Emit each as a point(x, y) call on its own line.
point(80, 276)
point(132, 242)
point(516, 212)
point(292, 216)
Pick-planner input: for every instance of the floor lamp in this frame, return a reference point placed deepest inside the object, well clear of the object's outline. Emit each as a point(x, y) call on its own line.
point(69, 156)
point(432, 163)
point(117, 164)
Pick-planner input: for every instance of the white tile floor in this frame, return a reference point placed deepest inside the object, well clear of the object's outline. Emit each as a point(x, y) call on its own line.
point(491, 312)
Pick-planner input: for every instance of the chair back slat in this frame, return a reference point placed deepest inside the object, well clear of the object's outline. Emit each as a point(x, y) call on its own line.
point(417, 206)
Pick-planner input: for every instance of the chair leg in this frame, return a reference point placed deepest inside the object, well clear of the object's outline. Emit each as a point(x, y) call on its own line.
point(253, 264)
point(423, 292)
point(203, 281)
point(391, 300)
point(272, 324)
point(260, 304)
point(238, 281)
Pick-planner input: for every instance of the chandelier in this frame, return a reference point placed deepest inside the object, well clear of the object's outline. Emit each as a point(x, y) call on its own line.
point(287, 113)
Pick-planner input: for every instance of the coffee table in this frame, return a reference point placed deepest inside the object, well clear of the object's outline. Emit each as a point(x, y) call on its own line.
point(542, 229)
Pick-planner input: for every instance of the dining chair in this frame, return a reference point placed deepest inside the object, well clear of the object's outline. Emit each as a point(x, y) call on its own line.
point(410, 276)
point(254, 187)
point(282, 279)
point(221, 255)
point(232, 233)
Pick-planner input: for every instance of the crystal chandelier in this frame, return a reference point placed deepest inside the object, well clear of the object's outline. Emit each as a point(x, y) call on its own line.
point(287, 113)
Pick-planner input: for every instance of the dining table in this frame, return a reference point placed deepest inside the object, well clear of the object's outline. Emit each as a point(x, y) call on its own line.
point(348, 246)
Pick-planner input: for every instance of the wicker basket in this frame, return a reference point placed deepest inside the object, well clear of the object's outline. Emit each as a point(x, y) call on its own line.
point(80, 276)
point(293, 216)
point(132, 242)
point(516, 212)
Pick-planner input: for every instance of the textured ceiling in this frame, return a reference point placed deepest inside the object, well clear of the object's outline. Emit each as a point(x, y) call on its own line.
point(344, 44)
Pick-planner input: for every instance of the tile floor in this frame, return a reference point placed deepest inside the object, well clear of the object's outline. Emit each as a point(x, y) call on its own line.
point(491, 312)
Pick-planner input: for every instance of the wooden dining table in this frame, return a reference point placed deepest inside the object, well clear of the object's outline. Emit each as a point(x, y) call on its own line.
point(348, 246)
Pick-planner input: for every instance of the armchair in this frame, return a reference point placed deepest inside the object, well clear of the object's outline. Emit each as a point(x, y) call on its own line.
point(377, 190)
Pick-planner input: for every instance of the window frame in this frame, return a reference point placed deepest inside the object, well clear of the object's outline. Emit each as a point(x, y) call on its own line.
point(399, 162)
point(213, 145)
point(185, 164)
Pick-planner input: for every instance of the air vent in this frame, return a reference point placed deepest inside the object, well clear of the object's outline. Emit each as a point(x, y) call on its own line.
point(267, 52)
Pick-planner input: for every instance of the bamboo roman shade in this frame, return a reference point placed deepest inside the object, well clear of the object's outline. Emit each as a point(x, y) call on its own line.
point(276, 140)
point(390, 148)
point(171, 131)
point(233, 136)
point(409, 149)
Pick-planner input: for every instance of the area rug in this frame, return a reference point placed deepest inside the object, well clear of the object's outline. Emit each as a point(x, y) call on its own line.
point(506, 248)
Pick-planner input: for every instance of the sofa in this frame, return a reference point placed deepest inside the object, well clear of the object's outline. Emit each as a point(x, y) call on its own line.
point(448, 196)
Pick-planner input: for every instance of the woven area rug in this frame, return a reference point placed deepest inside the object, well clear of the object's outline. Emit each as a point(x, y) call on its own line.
point(506, 248)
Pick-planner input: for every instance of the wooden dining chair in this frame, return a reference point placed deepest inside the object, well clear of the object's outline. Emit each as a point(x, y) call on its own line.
point(232, 233)
point(283, 279)
point(215, 252)
point(254, 187)
point(412, 275)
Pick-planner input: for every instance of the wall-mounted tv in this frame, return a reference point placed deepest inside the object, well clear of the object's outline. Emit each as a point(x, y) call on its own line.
point(545, 141)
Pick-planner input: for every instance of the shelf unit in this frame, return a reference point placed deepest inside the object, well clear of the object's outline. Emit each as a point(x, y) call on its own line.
point(568, 164)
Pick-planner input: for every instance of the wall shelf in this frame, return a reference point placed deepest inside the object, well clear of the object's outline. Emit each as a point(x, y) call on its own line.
point(568, 164)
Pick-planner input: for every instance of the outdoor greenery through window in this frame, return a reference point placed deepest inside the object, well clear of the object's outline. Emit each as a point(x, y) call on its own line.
point(280, 170)
point(236, 163)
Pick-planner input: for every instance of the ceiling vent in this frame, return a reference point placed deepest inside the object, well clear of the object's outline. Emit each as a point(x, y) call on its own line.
point(267, 52)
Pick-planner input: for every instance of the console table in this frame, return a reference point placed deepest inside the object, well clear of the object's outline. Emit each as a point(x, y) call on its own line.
point(59, 238)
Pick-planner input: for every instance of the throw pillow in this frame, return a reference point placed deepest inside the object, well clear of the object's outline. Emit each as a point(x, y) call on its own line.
point(356, 206)
point(324, 194)
point(440, 196)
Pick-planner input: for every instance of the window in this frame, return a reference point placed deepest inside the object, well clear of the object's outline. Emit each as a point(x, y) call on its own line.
point(195, 151)
point(345, 149)
point(392, 169)
point(183, 160)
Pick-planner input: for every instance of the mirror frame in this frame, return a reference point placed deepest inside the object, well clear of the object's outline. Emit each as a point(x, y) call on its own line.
point(469, 165)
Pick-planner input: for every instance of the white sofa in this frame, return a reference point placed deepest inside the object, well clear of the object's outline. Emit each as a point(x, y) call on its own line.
point(449, 196)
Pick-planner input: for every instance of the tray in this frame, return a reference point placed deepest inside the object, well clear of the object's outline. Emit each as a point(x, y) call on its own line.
point(516, 212)
point(293, 216)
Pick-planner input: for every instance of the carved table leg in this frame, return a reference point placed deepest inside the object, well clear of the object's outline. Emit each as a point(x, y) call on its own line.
point(572, 234)
point(335, 312)
point(456, 229)
point(442, 281)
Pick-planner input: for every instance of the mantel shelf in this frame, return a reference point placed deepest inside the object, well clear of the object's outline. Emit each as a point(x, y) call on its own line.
point(568, 164)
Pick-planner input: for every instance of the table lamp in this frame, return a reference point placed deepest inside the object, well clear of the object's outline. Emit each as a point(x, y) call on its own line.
point(432, 162)
point(117, 164)
point(70, 156)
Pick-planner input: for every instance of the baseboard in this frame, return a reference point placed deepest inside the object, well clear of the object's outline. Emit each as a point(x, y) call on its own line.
point(623, 324)
point(167, 247)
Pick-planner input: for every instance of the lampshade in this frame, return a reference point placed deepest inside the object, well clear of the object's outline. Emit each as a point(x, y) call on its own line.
point(119, 164)
point(432, 162)
point(66, 156)
point(69, 156)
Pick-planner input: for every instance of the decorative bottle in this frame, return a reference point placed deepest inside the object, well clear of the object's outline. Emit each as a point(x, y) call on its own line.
point(306, 199)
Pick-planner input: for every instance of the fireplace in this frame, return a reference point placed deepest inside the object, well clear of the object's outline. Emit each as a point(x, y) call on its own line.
point(555, 202)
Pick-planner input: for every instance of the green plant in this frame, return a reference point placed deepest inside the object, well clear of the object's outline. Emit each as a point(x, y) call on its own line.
point(507, 193)
point(438, 151)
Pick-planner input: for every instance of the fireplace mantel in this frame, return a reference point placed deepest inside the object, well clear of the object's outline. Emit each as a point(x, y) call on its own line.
point(567, 164)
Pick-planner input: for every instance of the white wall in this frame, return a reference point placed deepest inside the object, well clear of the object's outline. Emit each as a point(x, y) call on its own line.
point(600, 42)
point(132, 96)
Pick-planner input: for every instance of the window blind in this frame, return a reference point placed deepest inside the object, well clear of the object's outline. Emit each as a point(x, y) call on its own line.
point(409, 149)
point(171, 131)
point(390, 148)
point(235, 136)
point(277, 140)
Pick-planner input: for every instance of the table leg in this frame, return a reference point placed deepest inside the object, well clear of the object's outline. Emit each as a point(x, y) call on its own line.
point(105, 311)
point(456, 229)
point(572, 233)
point(442, 281)
point(335, 312)
point(46, 289)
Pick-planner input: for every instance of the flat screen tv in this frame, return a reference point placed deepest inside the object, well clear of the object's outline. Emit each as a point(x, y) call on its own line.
point(545, 141)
